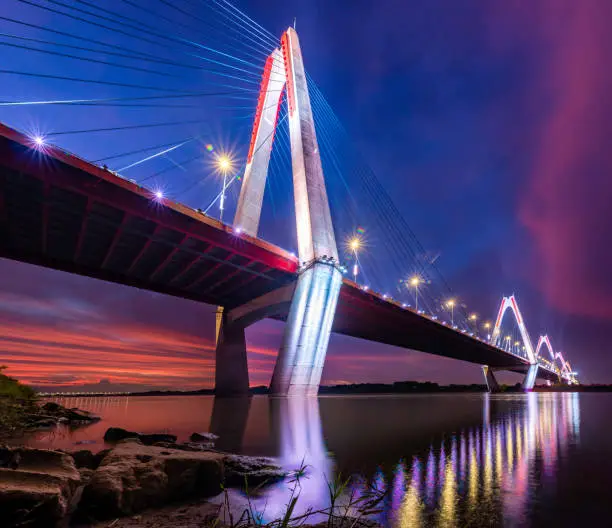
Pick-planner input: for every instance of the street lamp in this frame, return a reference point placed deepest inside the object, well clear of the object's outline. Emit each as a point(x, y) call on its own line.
point(224, 165)
point(354, 245)
point(487, 327)
point(414, 282)
point(451, 304)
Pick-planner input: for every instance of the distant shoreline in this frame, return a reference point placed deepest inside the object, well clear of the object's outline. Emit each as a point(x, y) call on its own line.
point(401, 387)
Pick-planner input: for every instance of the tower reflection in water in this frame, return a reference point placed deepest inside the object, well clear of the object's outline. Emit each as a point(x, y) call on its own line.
point(296, 427)
point(480, 475)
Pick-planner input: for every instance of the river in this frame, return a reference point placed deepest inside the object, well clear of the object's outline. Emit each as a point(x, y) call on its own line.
point(539, 459)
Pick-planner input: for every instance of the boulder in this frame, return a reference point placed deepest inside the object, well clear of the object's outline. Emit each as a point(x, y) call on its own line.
point(40, 491)
point(9, 458)
point(59, 413)
point(133, 477)
point(52, 407)
point(150, 439)
point(255, 470)
point(114, 434)
point(85, 459)
point(203, 437)
point(79, 415)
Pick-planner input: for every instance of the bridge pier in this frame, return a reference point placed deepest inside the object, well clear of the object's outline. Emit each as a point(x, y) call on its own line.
point(302, 353)
point(530, 377)
point(231, 369)
point(490, 380)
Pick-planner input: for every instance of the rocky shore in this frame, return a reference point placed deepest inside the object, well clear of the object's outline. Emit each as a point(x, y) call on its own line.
point(142, 471)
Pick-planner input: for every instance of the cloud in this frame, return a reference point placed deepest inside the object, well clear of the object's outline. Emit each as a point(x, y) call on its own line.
point(566, 206)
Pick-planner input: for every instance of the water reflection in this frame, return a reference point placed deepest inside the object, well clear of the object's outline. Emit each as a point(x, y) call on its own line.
point(478, 476)
point(449, 461)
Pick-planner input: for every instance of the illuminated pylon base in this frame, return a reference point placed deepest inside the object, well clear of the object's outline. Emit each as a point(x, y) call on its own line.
point(301, 356)
point(530, 378)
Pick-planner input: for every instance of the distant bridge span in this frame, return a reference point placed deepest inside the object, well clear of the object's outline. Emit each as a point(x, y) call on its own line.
point(62, 212)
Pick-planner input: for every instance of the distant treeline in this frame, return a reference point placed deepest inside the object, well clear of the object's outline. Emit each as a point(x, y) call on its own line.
point(399, 387)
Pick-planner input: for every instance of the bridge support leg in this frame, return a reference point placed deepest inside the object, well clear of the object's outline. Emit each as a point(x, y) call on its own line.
point(491, 381)
point(231, 369)
point(302, 353)
point(530, 378)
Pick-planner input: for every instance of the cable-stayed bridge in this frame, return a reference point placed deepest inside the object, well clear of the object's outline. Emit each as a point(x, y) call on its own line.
point(61, 211)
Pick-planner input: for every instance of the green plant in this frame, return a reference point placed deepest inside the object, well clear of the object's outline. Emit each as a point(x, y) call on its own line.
point(352, 512)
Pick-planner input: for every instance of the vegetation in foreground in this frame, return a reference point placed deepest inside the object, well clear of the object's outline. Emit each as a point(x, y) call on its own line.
point(17, 404)
point(346, 508)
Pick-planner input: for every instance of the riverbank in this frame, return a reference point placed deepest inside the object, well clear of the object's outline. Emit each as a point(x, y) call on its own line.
point(158, 483)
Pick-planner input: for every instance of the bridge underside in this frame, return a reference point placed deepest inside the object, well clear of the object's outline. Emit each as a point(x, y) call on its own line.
point(61, 212)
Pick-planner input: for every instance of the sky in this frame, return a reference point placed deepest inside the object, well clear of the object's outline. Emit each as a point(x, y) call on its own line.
point(488, 123)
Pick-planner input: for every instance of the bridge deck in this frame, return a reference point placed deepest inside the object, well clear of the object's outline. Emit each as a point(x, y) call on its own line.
point(59, 211)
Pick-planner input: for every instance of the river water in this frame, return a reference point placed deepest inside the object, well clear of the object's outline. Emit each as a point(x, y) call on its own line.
point(539, 459)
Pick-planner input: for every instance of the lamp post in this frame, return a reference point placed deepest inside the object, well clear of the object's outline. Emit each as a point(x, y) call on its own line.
point(354, 245)
point(487, 327)
point(451, 304)
point(224, 165)
point(415, 281)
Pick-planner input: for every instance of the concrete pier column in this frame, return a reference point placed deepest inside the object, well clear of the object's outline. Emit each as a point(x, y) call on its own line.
point(490, 379)
point(231, 369)
point(530, 377)
point(302, 353)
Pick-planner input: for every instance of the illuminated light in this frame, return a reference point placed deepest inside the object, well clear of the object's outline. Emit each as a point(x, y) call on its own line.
point(508, 338)
point(366, 288)
point(516, 343)
point(354, 244)
point(159, 195)
point(487, 325)
point(450, 303)
point(473, 317)
point(39, 141)
point(238, 230)
point(209, 147)
point(385, 296)
point(415, 281)
point(403, 305)
point(224, 163)
point(292, 254)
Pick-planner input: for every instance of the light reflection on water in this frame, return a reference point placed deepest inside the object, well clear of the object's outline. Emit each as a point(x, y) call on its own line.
point(458, 460)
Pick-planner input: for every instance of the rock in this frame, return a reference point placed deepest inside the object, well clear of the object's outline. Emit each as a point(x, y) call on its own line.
point(149, 439)
point(53, 407)
point(196, 446)
point(203, 437)
point(100, 456)
point(78, 415)
point(9, 458)
point(86, 475)
point(43, 423)
point(256, 470)
point(40, 491)
point(133, 477)
point(85, 459)
point(114, 434)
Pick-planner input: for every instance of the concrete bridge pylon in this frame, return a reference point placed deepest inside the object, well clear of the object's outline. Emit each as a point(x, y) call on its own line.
point(313, 301)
